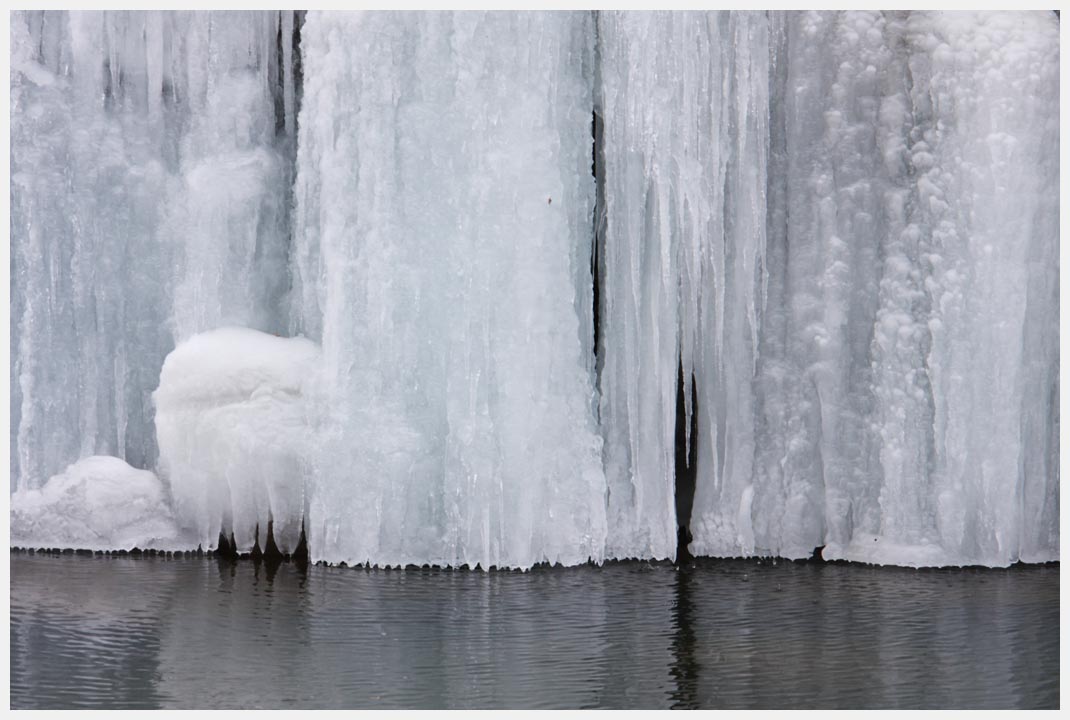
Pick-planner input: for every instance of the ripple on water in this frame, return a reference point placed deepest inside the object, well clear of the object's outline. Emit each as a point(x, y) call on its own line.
point(129, 632)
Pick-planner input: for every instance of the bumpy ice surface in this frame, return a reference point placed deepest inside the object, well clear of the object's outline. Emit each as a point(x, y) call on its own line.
point(98, 503)
point(840, 228)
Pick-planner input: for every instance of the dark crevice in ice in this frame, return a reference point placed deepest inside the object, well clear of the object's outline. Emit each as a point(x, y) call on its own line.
point(279, 80)
point(598, 165)
point(301, 555)
point(299, 20)
point(291, 149)
point(226, 547)
point(686, 456)
point(269, 551)
point(278, 91)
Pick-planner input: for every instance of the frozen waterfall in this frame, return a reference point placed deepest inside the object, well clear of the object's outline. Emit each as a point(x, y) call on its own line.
point(452, 288)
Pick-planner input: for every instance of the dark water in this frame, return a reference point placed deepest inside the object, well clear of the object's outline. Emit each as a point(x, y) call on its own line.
point(198, 632)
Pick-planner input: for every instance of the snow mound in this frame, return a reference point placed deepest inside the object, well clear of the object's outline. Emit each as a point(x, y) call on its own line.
point(232, 430)
point(98, 503)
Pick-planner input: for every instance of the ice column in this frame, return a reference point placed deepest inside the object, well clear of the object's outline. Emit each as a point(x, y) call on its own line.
point(833, 193)
point(443, 185)
point(685, 101)
point(983, 150)
point(904, 371)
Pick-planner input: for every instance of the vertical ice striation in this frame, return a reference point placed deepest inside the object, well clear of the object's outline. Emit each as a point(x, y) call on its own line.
point(982, 150)
point(685, 101)
point(833, 80)
point(966, 124)
point(640, 331)
point(142, 142)
point(444, 203)
point(841, 227)
point(229, 212)
point(837, 232)
point(917, 192)
point(90, 163)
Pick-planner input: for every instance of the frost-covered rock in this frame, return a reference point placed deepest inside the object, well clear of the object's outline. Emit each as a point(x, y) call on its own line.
point(231, 425)
point(98, 503)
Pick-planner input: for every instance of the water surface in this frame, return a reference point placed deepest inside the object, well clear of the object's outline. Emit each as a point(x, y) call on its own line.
point(188, 632)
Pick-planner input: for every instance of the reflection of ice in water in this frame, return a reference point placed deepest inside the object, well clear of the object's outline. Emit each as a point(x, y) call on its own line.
point(842, 225)
point(195, 633)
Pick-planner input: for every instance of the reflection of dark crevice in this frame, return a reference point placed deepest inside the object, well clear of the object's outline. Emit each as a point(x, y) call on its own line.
point(686, 456)
point(685, 667)
point(227, 567)
point(271, 568)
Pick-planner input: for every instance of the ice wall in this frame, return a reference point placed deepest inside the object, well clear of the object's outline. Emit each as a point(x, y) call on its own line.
point(150, 196)
point(89, 281)
point(840, 229)
point(840, 224)
point(444, 201)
